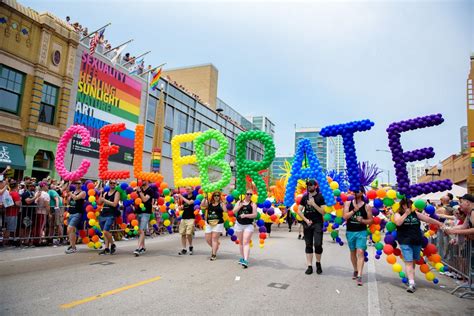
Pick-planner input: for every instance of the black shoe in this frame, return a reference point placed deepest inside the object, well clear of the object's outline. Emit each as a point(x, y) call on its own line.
point(190, 251)
point(318, 268)
point(309, 270)
point(106, 251)
point(142, 250)
point(136, 252)
point(182, 252)
point(112, 249)
point(299, 236)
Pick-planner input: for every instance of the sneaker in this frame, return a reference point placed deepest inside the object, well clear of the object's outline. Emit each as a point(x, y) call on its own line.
point(113, 249)
point(190, 251)
point(354, 275)
point(309, 270)
point(142, 250)
point(318, 268)
point(359, 281)
point(240, 260)
point(136, 252)
point(106, 251)
point(299, 236)
point(245, 264)
point(70, 250)
point(213, 258)
point(411, 288)
point(182, 252)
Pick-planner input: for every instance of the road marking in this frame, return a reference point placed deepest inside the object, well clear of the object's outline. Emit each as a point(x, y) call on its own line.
point(33, 257)
point(237, 278)
point(373, 292)
point(108, 293)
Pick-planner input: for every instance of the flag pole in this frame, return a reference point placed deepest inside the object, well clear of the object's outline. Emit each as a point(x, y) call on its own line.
point(108, 51)
point(136, 58)
point(153, 69)
point(99, 29)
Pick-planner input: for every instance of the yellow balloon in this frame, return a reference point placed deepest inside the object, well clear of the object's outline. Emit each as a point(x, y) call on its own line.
point(167, 198)
point(172, 206)
point(328, 209)
point(397, 268)
point(90, 244)
point(392, 194)
point(97, 214)
point(254, 198)
point(430, 276)
point(127, 230)
point(97, 245)
point(298, 217)
point(231, 224)
point(92, 222)
point(261, 245)
point(339, 213)
point(439, 266)
point(153, 221)
point(376, 238)
point(334, 185)
point(329, 229)
point(166, 222)
point(135, 227)
point(91, 199)
point(396, 206)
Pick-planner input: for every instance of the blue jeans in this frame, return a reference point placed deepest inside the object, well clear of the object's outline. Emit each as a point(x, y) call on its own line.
point(143, 220)
point(74, 220)
point(106, 222)
point(410, 252)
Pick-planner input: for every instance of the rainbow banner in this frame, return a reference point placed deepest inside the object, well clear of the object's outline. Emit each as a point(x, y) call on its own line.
point(155, 80)
point(106, 95)
point(156, 160)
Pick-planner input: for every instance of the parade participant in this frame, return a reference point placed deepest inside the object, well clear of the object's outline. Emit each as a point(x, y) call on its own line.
point(357, 216)
point(56, 213)
point(466, 207)
point(146, 194)
point(110, 201)
point(186, 226)
point(311, 210)
point(76, 201)
point(246, 212)
point(214, 221)
point(410, 238)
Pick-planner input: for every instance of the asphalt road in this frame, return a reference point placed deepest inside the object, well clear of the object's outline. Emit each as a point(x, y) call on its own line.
point(44, 281)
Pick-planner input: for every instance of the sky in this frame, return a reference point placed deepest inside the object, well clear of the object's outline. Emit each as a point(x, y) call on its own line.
point(311, 63)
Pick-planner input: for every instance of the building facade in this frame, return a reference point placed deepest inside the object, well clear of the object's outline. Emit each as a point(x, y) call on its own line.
point(336, 158)
point(415, 171)
point(463, 134)
point(318, 143)
point(455, 167)
point(37, 53)
point(263, 123)
point(278, 166)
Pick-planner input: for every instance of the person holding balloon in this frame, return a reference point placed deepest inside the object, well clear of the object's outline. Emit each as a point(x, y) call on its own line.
point(76, 198)
point(311, 210)
point(145, 196)
point(109, 198)
point(246, 212)
point(410, 238)
point(357, 216)
point(214, 221)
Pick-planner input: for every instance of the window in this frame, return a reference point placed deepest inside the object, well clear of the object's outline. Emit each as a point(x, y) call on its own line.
point(181, 123)
point(11, 86)
point(48, 104)
point(150, 115)
point(169, 116)
point(43, 159)
point(148, 144)
point(149, 128)
point(166, 150)
point(167, 135)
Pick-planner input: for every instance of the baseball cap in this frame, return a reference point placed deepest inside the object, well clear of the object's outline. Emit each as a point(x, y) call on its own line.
point(468, 197)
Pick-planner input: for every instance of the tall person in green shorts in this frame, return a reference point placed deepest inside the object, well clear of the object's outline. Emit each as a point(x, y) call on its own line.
point(358, 215)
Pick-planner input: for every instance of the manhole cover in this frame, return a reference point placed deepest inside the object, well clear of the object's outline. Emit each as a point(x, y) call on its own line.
point(102, 263)
point(282, 286)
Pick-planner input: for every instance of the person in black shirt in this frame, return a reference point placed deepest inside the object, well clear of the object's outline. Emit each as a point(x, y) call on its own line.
point(76, 201)
point(246, 212)
point(146, 194)
point(410, 238)
point(358, 215)
point(186, 226)
point(313, 205)
point(214, 221)
point(27, 211)
point(110, 201)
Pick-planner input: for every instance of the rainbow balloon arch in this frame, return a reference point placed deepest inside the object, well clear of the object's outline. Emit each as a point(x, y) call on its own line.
point(269, 208)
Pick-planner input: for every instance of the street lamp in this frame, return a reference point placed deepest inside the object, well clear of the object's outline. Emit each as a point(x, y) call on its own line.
point(427, 169)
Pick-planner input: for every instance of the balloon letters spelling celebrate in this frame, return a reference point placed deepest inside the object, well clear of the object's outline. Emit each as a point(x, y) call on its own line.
point(312, 171)
point(105, 150)
point(347, 131)
point(251, 168)
point(216, 159)
point(179, 161)
point(400, 158)
point(138, 158)
point(61, 150)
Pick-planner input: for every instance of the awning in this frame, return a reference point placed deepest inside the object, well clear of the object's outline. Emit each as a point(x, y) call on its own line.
point(12, 155)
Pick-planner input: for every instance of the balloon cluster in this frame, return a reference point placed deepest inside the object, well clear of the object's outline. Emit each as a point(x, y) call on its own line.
point(138, 158)
point(347, 131)
point(248, 167)
point(106, 150)
point(312, 171)
point(216, 159)
point(400, 158)
point(179, 161)
point(61, 151)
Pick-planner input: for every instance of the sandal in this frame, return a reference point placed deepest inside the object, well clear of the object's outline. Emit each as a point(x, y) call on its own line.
point(354, 275)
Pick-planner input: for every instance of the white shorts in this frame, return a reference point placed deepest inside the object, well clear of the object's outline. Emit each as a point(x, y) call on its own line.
point(219, 228)
point(241, 228)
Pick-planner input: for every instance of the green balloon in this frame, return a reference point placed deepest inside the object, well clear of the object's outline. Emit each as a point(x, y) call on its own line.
point(152, 215)
point(334, 234)
point(226, 224)
point(420, 204)
point(199, 197)
point(388, 201)
point(327, 217)
point(235, 194)
point(402, 274)
point(336, 192)
point(400, 196)
point(379, 246)
point(166, 192)
point(390, 226)
point(338, 220)
point(258, 215)
point(165, 216)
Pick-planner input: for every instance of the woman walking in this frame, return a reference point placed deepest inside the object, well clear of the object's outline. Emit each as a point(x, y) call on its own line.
point(246, 211)
point(214, 222)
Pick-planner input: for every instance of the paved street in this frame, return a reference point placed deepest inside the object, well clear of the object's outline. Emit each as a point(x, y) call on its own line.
point(45, 281)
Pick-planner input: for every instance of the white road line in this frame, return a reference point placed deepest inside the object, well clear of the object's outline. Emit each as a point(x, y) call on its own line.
point(373, 292)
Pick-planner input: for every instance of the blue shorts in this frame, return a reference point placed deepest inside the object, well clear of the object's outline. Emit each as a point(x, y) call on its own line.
point(106, 222)
point(74, 220)
point(143, 220)
point(357, 240)
point(410, 252)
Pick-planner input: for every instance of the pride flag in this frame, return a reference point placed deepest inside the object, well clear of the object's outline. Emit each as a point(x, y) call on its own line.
point(156, 78)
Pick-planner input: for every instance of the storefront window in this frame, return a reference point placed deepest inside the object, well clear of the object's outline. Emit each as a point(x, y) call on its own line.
point(43, 159)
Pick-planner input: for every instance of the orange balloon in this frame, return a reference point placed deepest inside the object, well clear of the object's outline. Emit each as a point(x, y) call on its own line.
point(85, 240)
point(91, 192)
point(134, 223)
point(435, 258)
point(138, 201)
point(391, 259)
point(91, 215)
point(381, 193)
point(95, 238)
point(133, 184)
point(424, 268)
point(163, 185)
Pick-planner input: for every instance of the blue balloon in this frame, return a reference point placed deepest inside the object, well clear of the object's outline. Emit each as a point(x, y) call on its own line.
point(106, 188)
point(430, 209)
point(435, 281)
point(379, 252)
point(378, 203)
point(267, 204)
point(405, 280)
point(260, 223)
point(229, 199)
point(377, 257)
point(230, 231)
point(123, 185)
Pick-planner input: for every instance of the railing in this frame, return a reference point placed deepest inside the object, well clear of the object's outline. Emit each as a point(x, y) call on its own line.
point(457, 254)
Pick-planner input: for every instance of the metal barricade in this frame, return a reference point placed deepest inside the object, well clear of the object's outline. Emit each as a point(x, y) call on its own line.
point(458, 257)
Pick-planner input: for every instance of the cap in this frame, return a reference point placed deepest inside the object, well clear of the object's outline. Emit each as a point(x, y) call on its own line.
point(468, 197)
point(311, 182)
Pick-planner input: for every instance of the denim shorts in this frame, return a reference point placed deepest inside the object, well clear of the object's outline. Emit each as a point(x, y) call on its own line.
point(143, 220)
point(410, 252)
point(74, 220)
point(106, 222)
point(357, 240)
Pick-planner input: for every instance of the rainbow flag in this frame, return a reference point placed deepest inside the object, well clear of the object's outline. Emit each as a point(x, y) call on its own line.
point(156, 78)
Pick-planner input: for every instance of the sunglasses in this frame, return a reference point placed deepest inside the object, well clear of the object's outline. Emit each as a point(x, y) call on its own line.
point(216, 195)
point(114, 183)
point(248, 193)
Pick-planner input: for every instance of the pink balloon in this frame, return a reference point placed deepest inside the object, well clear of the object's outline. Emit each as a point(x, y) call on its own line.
point(61, 150)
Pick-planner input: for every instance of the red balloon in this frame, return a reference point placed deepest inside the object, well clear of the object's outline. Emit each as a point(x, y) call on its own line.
point(377, 220)
point(429, 250)
point(397, 252)
point(371, 194)
point(343, 197)
point(161, 201)
point(131, 217)
point(119, 220)
point(262, 236)
point(388, 249)
point(90, 186)
point(82, 233)
point(91, 232)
